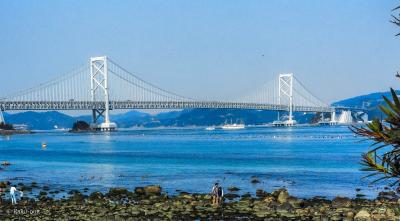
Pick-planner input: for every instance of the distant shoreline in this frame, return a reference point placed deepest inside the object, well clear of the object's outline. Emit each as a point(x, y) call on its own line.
point(12, 132)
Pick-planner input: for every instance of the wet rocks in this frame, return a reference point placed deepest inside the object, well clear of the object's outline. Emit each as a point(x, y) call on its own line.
point(281, 195)
point(295, 202)
point(153, 190)
point(78, 197)
point(362, 215)
point(389, 195)
point(233, 189)
point(360, 195)
point(254, 180)
point(231, 196)
point(150, 203)
point(96, 196)
point(118, 192)
point(341, 202)
point(139, 191)
point(72, 192)
point(34, 184)
point(3, 184)
point(246, 195)
point(261, 193)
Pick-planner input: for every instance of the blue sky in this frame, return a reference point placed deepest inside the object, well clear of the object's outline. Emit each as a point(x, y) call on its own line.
point(210, 48)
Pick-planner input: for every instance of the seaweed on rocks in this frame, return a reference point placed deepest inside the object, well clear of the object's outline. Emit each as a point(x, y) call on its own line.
point(150, 203)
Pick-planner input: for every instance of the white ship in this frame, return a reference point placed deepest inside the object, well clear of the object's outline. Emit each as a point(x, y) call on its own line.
point(20, 126)
point(210, 128)
point(232, 126)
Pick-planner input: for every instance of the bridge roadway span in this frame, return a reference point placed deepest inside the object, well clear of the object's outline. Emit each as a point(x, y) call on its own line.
point(89, 105)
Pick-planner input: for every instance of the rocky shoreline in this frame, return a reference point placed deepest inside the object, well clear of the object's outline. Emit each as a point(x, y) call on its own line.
point(150, 203)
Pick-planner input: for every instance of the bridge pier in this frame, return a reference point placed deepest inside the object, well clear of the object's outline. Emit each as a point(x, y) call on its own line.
point(333, 118)
point(105, 126)
point(290, 123)
point(2, 121)
point(99, 86)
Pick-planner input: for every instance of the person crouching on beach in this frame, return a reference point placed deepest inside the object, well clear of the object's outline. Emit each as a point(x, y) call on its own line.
point(1, 195)
point(21, 194)
point(217, 193)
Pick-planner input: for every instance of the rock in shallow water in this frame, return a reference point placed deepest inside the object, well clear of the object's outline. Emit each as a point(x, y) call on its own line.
point(152, 190)
point(231, 196)
point(255, 180)
point(233, 189)
point(390, 195)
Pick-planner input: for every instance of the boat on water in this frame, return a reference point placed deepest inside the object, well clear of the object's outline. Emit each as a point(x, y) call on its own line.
point(210, 128)
point(233, 126)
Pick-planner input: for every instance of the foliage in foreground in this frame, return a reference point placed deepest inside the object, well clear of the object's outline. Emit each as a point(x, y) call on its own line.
point(384, 159)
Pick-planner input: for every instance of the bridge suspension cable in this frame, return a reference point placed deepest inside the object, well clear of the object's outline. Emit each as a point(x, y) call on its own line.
point(264, 94)
point(132, 87)
point(304, 97)
point(63, 88)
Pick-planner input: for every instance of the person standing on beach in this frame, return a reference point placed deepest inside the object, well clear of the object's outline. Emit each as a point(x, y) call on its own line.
point(217, 193)
point(12, 193)
point(220, 195)
point(214, 194)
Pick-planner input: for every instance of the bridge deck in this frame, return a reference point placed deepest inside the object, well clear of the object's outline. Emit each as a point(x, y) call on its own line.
point(89, 105)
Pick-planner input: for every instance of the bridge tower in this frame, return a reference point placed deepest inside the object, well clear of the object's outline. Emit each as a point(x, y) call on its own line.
point(99, 92)
point(286, 92)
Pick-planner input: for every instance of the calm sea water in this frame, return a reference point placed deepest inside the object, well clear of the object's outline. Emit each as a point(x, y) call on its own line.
point(308, 161)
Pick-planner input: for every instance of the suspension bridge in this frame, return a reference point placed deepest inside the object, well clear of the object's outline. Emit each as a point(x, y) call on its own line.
point(103, 85)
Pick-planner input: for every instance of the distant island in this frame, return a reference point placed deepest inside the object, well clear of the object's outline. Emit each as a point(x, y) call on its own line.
point(80, 126)
point(8, 129)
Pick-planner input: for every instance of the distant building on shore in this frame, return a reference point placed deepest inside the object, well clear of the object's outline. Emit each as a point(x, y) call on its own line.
point(20, 126)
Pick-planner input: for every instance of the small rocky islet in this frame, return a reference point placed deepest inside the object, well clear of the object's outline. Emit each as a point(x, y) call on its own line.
point(151, 203)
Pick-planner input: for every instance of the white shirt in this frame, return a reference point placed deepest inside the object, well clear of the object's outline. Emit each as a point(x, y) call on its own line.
point(215, 190)
point(12, 190)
